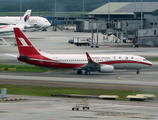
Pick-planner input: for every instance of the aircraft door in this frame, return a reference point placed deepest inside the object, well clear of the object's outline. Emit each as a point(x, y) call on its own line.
point(138, 61)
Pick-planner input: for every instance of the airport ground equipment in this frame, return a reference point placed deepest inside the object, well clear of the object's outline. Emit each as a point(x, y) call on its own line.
point(141, 97)
point(4, 93)
point(82, 104)
point(109, 97)
point(149, 96)
point(3, 42)
point(82, 41)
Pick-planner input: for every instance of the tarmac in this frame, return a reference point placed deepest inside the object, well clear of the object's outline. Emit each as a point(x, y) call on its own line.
point(60, 108)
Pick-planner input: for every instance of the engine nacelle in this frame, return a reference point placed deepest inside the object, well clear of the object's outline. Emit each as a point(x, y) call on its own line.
point(106, 69)
point(36, 26)
point(27, 26)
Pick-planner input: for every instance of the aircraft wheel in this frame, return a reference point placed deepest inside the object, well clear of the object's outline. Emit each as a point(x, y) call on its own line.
point(87, 72)
point(79, 72)
point(138, 72)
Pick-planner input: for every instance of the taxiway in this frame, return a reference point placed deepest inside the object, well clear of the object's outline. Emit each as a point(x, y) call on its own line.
point(49, 108)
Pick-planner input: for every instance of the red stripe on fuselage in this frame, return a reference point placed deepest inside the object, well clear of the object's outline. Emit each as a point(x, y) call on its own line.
point(52, 64)
point(1, 27)
point(46, 62)
point(124, 61)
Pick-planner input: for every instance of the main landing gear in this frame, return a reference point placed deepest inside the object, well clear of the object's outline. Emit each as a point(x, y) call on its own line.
point(79, 72)
point(87, 72)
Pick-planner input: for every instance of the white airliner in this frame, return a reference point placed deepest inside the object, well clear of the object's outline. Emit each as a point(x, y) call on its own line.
point(93, 62)
point(8, 29)
point(34, 21)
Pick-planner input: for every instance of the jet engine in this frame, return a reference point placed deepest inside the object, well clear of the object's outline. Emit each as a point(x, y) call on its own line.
point(36, 26)
point(106, 69)
point(27, 26)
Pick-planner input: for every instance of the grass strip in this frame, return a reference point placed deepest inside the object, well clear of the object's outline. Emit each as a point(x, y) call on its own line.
point(47, 91)
point(24, 68)
point(153, 59)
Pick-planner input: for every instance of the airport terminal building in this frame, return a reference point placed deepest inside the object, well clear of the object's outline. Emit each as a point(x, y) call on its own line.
point(138, 20)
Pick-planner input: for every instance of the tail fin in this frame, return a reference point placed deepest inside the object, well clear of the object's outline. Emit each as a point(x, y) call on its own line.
point(25, 17)
point(25, 47)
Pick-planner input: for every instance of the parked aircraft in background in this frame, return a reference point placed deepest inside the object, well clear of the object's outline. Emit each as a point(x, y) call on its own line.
point(8, 29)
point(93, 62)
point(33, 22)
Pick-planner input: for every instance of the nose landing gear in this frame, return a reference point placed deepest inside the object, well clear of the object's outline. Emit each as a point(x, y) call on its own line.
point(138, 71)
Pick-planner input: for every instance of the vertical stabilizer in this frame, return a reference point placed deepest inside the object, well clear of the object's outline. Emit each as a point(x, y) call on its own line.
point(25, 47)
point(25, 18)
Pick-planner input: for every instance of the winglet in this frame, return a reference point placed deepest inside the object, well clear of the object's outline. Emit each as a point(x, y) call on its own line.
point(88, 57)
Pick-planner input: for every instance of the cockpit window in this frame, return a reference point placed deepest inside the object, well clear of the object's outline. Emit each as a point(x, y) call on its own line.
point(144, 60)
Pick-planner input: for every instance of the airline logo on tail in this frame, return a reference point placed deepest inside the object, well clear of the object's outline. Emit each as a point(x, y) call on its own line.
point(23, 42)
point(26, 18)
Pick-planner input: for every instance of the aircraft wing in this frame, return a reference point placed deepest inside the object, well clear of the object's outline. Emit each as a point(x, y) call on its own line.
point(91, 65)
point(94, 66)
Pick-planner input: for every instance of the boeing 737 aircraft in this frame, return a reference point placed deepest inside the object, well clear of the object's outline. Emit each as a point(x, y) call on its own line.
point(87, 62)
point(34, 21)
point(8, 29)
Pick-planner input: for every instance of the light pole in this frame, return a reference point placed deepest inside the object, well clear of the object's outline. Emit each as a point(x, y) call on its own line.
point(83, 8)
point(134, 8)
point(141, 14)
point(109, 11)
point(54, 20)
point(20, 8)
point(55, 8)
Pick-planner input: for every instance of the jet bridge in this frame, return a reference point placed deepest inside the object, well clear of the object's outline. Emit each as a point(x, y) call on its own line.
point(3, 42)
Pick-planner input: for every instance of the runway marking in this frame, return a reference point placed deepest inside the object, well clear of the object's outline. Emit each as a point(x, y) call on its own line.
point(120, 77)
point(111, 114)
point(128, 116)
point(4, 60)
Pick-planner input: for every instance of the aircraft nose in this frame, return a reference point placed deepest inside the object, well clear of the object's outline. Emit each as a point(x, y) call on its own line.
point(150, 63)
point(48, 24)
